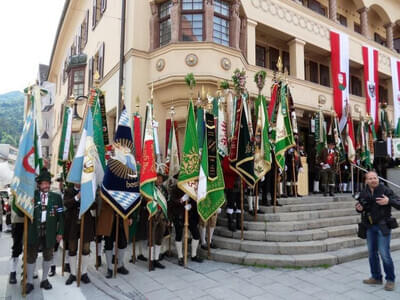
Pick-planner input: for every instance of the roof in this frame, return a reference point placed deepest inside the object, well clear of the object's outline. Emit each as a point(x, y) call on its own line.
point(60, 24)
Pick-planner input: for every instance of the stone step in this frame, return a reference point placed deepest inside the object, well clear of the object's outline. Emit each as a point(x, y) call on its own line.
point(292, 236)
point(315, 199)
point(308, 206)
point(296, 260)
point(302, 215)
point(285, 226)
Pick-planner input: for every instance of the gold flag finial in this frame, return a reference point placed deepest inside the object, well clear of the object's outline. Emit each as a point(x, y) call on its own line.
point(203, 92)
point(96, 79)
point(279, 65)
point(137, 103)
point(71, 100)
point(152, 92)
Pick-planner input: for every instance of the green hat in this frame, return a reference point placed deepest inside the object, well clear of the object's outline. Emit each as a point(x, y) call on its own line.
point(43, 176)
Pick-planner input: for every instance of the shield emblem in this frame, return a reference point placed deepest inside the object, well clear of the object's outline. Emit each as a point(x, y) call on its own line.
point(342, 81)
point(371, 89)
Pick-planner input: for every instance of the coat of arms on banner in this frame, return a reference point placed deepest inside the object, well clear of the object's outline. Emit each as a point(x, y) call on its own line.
point(371, 89)
point(342, 81)
point(396, 147)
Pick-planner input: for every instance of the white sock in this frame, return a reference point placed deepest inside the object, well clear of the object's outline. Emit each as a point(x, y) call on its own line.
point(316, 186)
point(178, 246)
point(121, 257)
point(109, 259)
point(211, 233)
point(29, 271)
point(72, 264)
point(203, 235)
point(250, 202)
point(99, 248)
point(85, 263)
point(195, 244)
point(45, 269)
point(152, 253)
point(157, 252)
point(13, 264)
point(66, 258)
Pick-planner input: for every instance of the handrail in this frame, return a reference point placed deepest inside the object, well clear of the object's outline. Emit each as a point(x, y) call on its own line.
point(366, 171)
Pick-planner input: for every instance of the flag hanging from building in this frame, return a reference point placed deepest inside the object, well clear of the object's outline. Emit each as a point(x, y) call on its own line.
point(190, 164)
point(148, 173)
point(242, 148)
point(395, 67)
point(340, 74)
point(371, 82)
point(210, 192)
point(282, 134)
point(23, 183)
point(262, 155)
point(66, 134)
point(86, 168)
point(120, 186)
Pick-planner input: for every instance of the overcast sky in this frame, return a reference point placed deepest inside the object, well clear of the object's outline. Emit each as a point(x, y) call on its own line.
point(27, 32)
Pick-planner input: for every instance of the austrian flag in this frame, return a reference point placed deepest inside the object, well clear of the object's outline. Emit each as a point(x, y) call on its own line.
point(340, 73)
point(371, 83)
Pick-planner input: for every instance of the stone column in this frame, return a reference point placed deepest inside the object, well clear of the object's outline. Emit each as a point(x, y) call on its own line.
point(175, 20)
point(364, 21)
point(243, 36)
point(333, 10)
point(296, 54)
point(235, 25)
point(251, 41)
point(389, 35)
point(154, 27)
point(209, 20)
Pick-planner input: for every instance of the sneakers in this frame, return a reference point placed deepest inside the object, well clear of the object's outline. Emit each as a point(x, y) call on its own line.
point(372, 281)
point(85, 278)
point(70, 279)
point(13, 278)
point(389, 286)
point(45, 284)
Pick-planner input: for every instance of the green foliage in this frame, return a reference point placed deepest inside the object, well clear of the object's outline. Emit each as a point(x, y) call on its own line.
point(11, 117)
point(224, 85)
point(190, 80)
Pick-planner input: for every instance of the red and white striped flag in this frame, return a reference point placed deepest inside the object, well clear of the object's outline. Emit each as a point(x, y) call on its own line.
point(340, 74)
point(371, 82)
point(395, 64)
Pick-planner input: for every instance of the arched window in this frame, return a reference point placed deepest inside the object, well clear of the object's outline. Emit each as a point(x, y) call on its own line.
point(192, 25)
point(165, 22)
point(221, 22)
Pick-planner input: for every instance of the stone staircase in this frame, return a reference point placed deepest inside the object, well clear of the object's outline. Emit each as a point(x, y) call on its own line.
point(304, 232)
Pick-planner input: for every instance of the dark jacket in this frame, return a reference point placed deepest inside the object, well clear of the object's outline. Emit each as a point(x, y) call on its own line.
point(72, 222)
point(373, 213)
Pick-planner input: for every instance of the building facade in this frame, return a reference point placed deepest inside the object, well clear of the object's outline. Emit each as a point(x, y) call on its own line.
point(166, 39)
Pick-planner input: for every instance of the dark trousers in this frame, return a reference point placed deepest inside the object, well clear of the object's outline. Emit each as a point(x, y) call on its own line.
point(17, 233)
point(193, 226)
point(73, 247)
point(109, 240)
point(159, 226)
point(233, 199)
point(34, 249)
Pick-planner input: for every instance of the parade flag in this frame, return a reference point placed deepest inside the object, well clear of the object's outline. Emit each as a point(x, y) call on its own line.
point(120, 186)
point(172, 159)
point(338, 140)
point(320, 132)
point(210, 192)
point(99, 126)
point(365, 146)
point(371, 82)
point(222, 128)
point(86, 168)
point(272, 103)
point(340, 74)
point(242, 148)
point(148, 173)
point(66, 134)
point(262, 156)
point(190, 164)
point(282, 134)
point(395, 66)
point(23, 183)
point(200, 125)
point(351, 152)
point(137, 131)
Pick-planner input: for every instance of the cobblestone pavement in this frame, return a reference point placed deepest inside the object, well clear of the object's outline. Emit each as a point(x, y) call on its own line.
point(209, 280)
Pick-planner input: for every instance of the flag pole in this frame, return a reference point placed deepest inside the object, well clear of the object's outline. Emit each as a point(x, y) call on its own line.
point(208, 240)
point(134, 249)
point(63, 260)
point(256, 202)
point(294, 187)
point(116, 245)
point(150, 240)
point(78, 275)
point(25, 255)
point(169, 239)
point(186, 236)
point(97, 251)
point(276, 185)
point(241, 209)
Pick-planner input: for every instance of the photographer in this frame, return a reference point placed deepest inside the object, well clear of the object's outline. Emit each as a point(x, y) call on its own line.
point(375, 204)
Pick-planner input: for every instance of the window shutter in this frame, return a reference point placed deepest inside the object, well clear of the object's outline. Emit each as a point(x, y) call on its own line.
point(86, 33)
point(103, 6)
point(101, 61)
point(78, 42)
point(94, 14)
point(90, 83)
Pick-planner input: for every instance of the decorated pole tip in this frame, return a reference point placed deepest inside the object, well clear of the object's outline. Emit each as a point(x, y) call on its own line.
point(172, 112)
point(96, 79)
point(137, 103)
point(279, 65)
point(71, 100)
